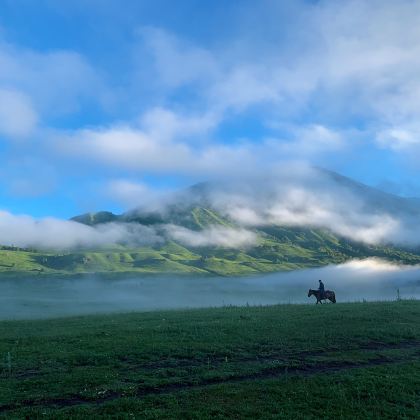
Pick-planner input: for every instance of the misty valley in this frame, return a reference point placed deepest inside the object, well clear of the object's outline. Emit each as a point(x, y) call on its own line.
point(366, 280)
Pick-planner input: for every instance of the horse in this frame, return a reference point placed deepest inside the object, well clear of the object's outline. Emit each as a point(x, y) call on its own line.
point(328, 294)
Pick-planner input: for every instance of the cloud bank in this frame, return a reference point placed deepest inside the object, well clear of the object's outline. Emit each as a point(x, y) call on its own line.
point(52, 233)
point(24, 299)
point(296, 196)
point(308, 197)
point(214, 236)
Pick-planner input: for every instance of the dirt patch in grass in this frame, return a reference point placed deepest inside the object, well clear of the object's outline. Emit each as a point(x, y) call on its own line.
point(286, 356)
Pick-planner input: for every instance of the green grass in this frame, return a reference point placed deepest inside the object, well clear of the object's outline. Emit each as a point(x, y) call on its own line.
point(358, 360)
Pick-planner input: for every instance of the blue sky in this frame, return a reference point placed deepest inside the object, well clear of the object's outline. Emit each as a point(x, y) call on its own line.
point(104, 104)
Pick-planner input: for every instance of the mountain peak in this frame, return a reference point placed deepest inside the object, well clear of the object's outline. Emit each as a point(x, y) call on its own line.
point(91, 219)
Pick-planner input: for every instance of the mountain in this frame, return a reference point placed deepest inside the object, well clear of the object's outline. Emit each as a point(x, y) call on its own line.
point(92, 219)
point(276, 247)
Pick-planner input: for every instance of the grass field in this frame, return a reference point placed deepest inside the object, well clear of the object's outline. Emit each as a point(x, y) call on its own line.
point(355, 360)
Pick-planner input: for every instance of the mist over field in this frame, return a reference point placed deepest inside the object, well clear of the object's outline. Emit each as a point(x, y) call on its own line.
point(353, 281)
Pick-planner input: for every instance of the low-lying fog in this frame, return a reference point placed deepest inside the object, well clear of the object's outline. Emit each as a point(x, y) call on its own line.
point(353, 281)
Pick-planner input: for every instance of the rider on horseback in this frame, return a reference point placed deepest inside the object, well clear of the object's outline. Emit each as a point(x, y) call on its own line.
point(321, 289)
point(322, 294)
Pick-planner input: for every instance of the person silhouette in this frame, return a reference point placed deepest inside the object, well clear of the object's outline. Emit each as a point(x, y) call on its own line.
point(321, 288)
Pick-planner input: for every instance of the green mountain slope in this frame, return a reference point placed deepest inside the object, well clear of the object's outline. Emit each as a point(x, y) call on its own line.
point(278, 248)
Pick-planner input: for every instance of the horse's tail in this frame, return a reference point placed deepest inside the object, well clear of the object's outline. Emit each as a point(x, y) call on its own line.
point(333, 297)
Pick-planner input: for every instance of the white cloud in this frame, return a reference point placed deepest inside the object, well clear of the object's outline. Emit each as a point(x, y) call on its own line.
point(220, 85)
point(400, 138)
point(177, 61)
point(337, 211)
point(130, 194)
point(164, 142)
point(244, 86)
point(133, 149)
point(17, 116)
point(163, 124)
point(126, 147)
point(54, 82)
point(213, 236)
point(355, 59)
point(374, 265)
point(308, 141)
point(299, 196)
point(51, 233)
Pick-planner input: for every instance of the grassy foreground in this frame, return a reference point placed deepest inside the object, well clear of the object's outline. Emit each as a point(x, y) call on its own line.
point(358, 360)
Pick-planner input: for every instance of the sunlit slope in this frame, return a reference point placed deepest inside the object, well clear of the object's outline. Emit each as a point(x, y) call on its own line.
point(278, 248)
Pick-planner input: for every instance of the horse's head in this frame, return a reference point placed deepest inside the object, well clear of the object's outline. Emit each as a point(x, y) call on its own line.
point(310, 292)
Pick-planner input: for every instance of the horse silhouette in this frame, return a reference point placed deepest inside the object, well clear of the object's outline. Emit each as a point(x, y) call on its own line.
point(328, 294)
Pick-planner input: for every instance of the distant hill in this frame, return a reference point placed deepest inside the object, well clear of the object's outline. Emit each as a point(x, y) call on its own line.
point(277, 248)
point(91, 219)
